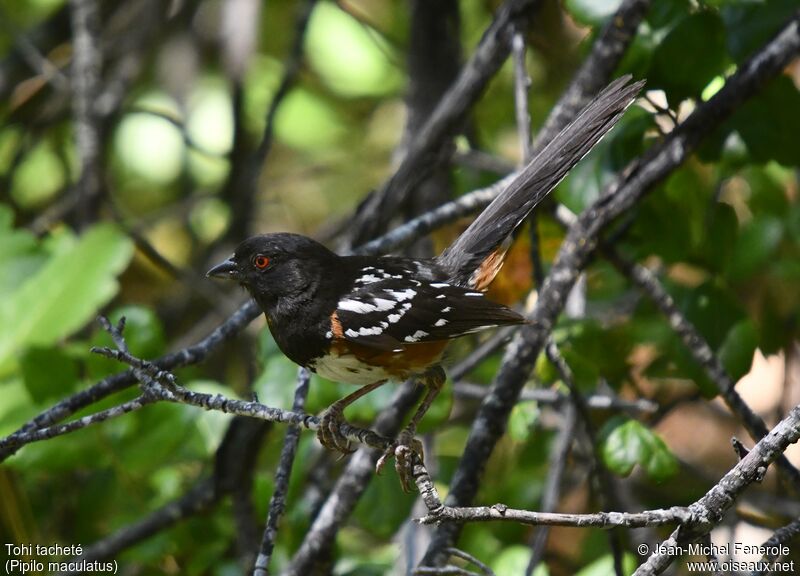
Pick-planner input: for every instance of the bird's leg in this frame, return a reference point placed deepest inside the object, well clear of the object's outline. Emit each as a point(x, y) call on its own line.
point(406, 446)
point(329, 433)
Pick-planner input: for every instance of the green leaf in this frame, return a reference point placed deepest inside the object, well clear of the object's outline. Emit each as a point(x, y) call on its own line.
point(523, 417)
point(755, 246)
point(49, 373)
point(372, 511)
point(64, 293)
point(751, 24)
point(514, 560)
point(719, 237)
point(736, 351)
point(604, 566)
point(593, 351)
point(689, 57)
point(20, 256)
point(710, 307)
point(624, 444)
point(275, 385)
point(666, 13)
point(769, 122)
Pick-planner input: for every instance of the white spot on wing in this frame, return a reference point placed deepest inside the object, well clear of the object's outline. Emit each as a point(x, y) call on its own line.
point(440, 285)
point(377, 305)
point(368, 279)
point(382, 304)
point(374, 331)
point(441, 322)
point(416, 336)
point(355, 306)
point(441, 296)
point(447, 309)
point(401, 295)
point(473, 293)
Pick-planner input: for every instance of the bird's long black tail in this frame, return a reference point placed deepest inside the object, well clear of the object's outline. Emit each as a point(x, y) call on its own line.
point(476, 256)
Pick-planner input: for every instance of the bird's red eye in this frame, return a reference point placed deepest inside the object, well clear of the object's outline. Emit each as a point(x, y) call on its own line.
point(261, 261)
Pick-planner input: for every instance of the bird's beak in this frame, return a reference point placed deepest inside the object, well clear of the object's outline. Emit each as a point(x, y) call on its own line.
point(226, 270)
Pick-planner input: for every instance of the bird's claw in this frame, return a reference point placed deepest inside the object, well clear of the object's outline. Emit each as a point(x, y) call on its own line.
point(329, 432)
point(405, 449)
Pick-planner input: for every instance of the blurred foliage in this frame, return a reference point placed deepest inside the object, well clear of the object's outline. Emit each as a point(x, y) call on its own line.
point(723, 232)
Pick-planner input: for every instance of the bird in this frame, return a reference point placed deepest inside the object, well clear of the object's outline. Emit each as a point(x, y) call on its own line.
point(365, 320)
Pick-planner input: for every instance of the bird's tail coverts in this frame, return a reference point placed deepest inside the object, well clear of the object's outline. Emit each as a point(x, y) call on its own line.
point(465, 258)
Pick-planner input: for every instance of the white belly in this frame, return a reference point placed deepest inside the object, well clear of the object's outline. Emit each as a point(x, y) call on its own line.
point(348, 369)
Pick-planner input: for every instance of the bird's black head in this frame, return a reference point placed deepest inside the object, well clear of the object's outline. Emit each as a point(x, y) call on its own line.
point(277, 266)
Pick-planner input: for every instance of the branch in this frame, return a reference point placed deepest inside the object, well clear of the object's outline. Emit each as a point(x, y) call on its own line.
point(597, 468)
point(424, 151)
point(552, 487)
point(446, 213)
point(694, 522)
point(710, 509)
point(86, 70)
point(500, 512)
point(576, 250)
point(277, 503)
point(550, 396)
point(241, 186)
point(596, 70)
point(360, 470)
point(68, 406)
point(232, 455)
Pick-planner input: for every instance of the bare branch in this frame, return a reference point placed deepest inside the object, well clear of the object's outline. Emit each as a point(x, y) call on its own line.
point(360, 469)
point(277, 503)
point(86, 70)
point(242, 183)
point(710, 509)
point(68, 406)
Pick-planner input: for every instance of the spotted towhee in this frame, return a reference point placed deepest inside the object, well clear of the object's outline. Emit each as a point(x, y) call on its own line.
point(365, 320)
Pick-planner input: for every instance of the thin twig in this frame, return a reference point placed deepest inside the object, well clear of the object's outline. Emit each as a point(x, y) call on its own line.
point(598, 469)
point(484, 569)
point(709, 510)
point(68, 406)
point(351, 484)
point(241, 186)
point(277, 503)
point(552, 490)
point(554, 397)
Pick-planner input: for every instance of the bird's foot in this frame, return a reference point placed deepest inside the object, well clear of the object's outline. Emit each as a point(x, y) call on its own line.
point(329, 432)
point(405, 449)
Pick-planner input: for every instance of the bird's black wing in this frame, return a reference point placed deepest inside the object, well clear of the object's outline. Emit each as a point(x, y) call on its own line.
point(391, 313)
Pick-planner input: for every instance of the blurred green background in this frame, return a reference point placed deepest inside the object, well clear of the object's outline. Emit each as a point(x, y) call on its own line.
point(195, 82)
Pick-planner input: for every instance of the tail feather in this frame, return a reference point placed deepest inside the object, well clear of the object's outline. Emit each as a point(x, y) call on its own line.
point(476, 250)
